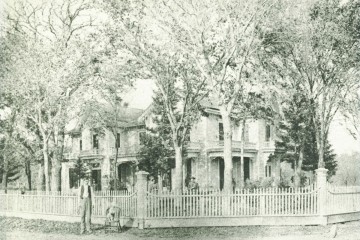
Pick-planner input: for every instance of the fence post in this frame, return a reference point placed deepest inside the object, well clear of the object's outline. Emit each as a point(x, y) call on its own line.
point(141, 187)
point(321, 184)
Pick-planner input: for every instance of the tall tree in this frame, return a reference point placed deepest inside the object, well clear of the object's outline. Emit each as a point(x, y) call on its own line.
point(53, 68)
point(313, 44)
point(180, 85)
point(221, 40)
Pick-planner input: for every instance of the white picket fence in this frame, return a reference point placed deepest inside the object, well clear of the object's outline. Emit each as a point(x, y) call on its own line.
point(342, 199)
point(276, 203)
point(245, 202)
point(66, 204)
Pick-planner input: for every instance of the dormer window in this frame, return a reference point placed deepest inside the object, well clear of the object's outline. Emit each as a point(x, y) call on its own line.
point(95, 141)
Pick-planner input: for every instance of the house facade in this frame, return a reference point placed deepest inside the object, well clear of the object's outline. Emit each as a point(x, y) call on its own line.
point(203, 158)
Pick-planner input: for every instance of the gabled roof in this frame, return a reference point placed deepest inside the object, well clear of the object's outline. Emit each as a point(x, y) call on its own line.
point(128, 117)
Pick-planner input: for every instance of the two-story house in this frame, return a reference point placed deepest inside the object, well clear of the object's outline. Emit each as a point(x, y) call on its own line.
point(203, 158)
point(205, 150)
point(98, 151)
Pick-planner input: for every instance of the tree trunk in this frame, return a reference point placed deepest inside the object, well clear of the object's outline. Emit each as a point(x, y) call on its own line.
point(46, 166)
point(243, 124)
point(115, 165)
point(28, 173)
point(41, 178)
point(228, 176)
point(178, 178)
point(298, 167)
point(5, 173)
point(321, 135)
point(55, 175)
point(56, 161)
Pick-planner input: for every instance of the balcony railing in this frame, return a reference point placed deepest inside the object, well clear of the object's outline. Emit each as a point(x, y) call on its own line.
point(71, 155)
point(235, 144)
point(126, 151)
point(90, 152)
point(193, 146)
point(270, 144)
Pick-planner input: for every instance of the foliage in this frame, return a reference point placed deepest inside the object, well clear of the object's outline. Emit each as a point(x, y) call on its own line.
point(136, 32)
point(318, 52)
point(296, 135)
point(348, 170)
point(155, 155)
point(80, 171)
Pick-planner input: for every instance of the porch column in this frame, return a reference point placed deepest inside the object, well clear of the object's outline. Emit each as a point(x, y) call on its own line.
point(141, 188)
point(242, 174)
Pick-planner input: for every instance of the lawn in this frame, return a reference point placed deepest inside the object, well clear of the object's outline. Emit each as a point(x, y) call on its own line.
point(18, 224)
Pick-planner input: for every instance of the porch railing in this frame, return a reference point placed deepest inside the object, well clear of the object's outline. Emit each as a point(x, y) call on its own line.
point(235, 144)
point(126, 151)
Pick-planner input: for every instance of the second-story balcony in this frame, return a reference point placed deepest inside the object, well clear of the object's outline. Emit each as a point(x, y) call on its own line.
point(92, 152)
point(193, 146)
point(269, 145)
point(126, 151)
point(236, 145)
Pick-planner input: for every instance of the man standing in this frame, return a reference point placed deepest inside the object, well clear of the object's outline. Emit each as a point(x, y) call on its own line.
point(193, 185)
point(85, 197)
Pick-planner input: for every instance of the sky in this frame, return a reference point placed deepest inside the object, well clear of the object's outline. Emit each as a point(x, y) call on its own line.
point(341, 139)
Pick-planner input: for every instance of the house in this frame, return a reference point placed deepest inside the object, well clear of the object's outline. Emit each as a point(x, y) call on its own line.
point(205, 150)
point(203, 158)
point(98, 151)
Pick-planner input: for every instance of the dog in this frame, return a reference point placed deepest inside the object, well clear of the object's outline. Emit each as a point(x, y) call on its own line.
point(111, 212)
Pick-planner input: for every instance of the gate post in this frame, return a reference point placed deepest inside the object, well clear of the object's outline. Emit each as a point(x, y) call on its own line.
point(141, 188)
point(321, 184)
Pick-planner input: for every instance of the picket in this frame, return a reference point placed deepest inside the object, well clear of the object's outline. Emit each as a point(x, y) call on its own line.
point(245, 202)
point(193, 204)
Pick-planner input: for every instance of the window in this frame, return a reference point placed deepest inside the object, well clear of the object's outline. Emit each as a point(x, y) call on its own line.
point(267, 133)
point(268, 170)
point(95, 141)
point(246, 133)
point(80, 144)
point(141, 138)
point(117, 140)
point(221, 132)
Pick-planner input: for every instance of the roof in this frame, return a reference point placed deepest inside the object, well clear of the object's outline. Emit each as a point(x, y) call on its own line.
point(127, 117)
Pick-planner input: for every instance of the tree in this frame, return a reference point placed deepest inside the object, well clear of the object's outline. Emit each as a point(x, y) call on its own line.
point(348, 170)
point(109, 113)
point(80, 171)
point(313, 45)
point(53, 69)
point(221, 41)
point(251, 104)
point(180, 85)
point(155, 156)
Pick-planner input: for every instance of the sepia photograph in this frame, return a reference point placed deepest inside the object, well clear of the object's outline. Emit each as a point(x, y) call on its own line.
point(180, 119)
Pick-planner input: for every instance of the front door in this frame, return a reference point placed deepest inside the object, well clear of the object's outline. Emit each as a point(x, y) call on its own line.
point(246, 168)
point(96, 179)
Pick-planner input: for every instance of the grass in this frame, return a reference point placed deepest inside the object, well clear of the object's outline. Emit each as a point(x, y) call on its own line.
point(14, 224)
